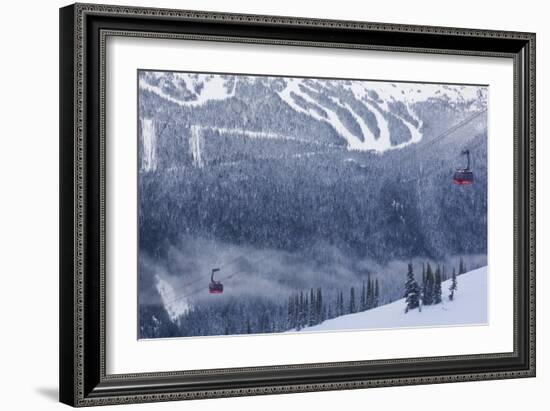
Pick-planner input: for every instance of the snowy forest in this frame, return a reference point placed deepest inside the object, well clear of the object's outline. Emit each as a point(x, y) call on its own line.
point(313, 200)
point(302, 310)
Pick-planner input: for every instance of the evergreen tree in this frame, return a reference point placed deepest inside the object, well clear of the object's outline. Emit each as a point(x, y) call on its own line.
point(423, 273)
point(427, 294)
point(290, 322)
point(368, 297)
point(341, 303)
point(352, 307)
point(312, 313)
point(305, 318)
point(363, 300)
point(370, 293)
point(376, 294)
point(424, 285)
point(301, 312)
point(296, 310)
point(412, 291)
point(430, 281)
point(437, 287)
point(461, 267)
point(320, 307)
point(453, 286)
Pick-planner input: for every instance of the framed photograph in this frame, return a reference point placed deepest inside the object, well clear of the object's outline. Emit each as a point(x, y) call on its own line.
point(260, 204)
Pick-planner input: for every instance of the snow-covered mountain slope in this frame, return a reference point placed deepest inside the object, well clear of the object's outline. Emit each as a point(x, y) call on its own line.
point(173, 305)
point(187, 89)
point(366, 115)
point(468, 307)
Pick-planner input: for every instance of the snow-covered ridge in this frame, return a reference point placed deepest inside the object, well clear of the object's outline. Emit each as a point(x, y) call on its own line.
point(469, 306)
point(473, 96)
point(363, 113)
point(193, 89)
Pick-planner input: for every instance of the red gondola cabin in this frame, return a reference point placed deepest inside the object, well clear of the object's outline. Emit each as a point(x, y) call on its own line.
point(464, 176)
point(215, 287)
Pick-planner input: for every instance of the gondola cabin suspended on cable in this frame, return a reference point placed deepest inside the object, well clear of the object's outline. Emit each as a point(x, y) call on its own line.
point(215, 287)
point(464, 176)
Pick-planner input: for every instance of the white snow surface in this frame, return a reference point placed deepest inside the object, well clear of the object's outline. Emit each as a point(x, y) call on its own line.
point(173, 303)
point(195, 146)
point(149, 144)
point(469, 306)
point(252, 134)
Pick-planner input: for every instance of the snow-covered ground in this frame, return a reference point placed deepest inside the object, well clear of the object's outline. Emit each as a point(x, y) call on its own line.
point(468, 307)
